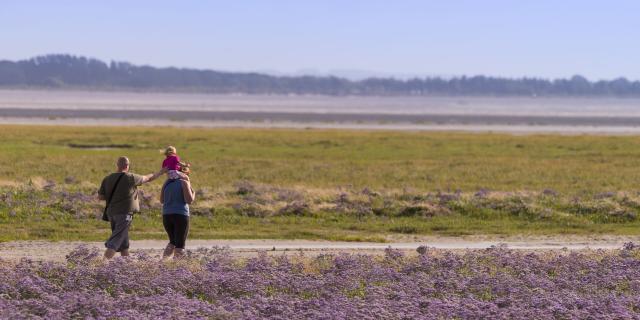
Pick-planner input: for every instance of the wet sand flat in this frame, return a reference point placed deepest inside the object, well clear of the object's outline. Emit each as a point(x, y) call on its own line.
point(299, 117)
point(518, 115)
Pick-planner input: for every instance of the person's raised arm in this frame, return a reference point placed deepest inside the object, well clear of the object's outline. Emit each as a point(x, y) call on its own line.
point(152, 176)
point(187, 192)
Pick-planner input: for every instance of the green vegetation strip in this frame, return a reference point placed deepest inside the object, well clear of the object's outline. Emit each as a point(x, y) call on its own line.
point(323, 184)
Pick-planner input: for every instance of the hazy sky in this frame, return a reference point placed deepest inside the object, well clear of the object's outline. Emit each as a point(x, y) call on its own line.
point(544, 38)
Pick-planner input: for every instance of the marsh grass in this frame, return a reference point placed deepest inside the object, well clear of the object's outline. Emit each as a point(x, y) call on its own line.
point(328, 159)
point(249, 210)
point(324, 184)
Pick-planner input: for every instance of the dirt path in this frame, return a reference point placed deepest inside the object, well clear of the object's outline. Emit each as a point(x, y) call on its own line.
point(45, 250)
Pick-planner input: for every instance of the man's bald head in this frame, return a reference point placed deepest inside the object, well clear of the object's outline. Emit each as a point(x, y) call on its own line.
point(123, 164)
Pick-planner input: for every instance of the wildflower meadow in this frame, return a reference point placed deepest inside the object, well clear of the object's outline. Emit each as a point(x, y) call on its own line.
point(495, 283)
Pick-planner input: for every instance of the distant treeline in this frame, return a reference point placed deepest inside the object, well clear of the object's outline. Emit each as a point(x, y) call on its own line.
point(67, 71)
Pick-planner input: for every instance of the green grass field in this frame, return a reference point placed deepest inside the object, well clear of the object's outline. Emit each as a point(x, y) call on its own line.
point(327, 159)
point(346, 185)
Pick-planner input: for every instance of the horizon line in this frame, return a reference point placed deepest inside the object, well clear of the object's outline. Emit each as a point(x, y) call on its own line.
point(400, 76)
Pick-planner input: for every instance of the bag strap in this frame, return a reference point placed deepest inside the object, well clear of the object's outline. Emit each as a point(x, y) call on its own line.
point(114, 190)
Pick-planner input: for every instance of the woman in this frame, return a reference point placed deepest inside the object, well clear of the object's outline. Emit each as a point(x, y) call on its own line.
point(176, 195)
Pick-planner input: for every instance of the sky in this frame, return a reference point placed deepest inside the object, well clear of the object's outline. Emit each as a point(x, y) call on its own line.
point(542, 38)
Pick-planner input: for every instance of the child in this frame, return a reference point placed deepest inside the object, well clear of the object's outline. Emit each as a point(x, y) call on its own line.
point(172, 164)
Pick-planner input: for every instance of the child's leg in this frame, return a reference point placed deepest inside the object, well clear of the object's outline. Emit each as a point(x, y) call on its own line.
point(174, 174)
point(181, 175)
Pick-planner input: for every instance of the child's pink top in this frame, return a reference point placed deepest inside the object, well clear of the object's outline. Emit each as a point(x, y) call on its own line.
point(171, 162)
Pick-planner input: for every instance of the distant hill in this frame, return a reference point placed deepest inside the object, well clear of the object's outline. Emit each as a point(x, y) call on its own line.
point(67, 71)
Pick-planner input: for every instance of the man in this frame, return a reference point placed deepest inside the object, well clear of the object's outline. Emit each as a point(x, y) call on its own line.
point(122, 205)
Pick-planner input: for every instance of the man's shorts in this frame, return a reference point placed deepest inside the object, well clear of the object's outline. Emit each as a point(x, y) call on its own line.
point(119, 239)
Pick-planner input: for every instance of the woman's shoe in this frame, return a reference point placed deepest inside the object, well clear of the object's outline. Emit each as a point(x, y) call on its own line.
point(168, 250)
point(178, 253)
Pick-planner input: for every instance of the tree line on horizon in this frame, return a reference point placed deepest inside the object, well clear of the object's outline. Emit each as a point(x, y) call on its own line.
point(68, 71)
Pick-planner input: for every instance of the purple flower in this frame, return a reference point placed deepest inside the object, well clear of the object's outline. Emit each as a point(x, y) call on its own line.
point(495, 283)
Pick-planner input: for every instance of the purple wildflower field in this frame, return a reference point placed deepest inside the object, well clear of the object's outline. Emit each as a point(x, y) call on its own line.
point(495, 283)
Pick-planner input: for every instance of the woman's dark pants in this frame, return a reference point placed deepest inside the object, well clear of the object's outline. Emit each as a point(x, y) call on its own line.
point(177, 227)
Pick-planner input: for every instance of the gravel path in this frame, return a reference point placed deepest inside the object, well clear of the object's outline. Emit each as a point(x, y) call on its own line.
point(46, 250)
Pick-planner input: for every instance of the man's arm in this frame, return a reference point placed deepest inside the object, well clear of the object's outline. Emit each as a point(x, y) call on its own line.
point(152, 176)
